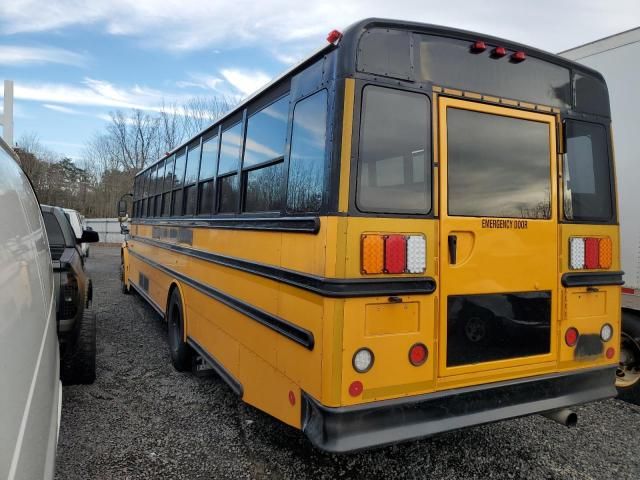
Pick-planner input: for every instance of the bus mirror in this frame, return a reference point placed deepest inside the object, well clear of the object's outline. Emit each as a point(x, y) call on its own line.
point(122, 208)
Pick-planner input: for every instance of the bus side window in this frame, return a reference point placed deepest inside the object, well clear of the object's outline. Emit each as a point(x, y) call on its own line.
point(191, 179)
point(228, 189)
point(307, 158)
point(208, 166)
point(168, 185)
point(264, 157)
point(178, 183)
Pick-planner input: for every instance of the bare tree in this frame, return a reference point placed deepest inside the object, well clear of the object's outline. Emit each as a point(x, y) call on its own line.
point(200, 112)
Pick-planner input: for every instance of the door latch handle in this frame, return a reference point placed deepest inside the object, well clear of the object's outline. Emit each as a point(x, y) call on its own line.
point(453, 248)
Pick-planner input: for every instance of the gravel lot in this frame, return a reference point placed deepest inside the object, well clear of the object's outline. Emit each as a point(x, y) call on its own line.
point(142, 419)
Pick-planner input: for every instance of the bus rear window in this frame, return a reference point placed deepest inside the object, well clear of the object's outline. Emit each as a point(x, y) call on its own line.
point(394, 171)
point(587, 176)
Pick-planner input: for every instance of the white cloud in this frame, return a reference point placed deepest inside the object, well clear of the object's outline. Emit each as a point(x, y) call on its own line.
point(15, 55)
point(189, 24)
point(244, 81)
point(97, 93)
point(200, 80)
point(61, 109)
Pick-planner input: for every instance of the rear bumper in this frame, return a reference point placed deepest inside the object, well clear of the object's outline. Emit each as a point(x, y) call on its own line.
point(375, 424)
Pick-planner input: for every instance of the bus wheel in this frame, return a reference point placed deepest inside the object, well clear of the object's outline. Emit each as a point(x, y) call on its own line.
point(181, 353)
point(628, 373)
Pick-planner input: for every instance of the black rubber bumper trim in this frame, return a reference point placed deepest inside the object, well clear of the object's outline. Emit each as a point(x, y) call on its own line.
point(589, 279)
point(146, 296)
point(285, 328)
point(225, 374)
point(375, 424)
point(327, 287)
point(283, 224)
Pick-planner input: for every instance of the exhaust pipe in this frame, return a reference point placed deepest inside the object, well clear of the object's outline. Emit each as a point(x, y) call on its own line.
point(563, 416)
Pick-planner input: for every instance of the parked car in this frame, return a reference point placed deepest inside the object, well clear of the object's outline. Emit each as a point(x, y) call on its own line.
point(78, 224)
point(74, 292)
point(30, 391)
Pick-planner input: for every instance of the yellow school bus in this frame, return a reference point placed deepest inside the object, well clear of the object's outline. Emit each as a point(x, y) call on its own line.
point(412, 231)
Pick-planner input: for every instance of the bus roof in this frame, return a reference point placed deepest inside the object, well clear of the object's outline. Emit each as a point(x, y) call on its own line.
point(349, 44)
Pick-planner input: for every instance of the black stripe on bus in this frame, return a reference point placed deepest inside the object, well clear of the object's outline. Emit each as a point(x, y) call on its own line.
point(225, 374)
point(293, 332)
point(281, 224)
point(328, 287)
point(589, 279)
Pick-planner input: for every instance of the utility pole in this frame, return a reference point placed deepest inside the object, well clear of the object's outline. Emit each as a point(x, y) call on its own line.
point(6, 119)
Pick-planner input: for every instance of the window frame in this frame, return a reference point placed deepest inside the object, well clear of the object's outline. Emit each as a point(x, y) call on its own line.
point(233, 122)
point(613, 219)
point(196, 144)
point(244, 171)
point(328, 135)
point(214, 133)
point(179, 152)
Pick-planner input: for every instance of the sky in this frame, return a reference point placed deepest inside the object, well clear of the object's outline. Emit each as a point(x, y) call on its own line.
point(75, 61)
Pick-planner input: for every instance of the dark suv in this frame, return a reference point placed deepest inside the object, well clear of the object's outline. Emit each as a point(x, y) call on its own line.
point(76, 323)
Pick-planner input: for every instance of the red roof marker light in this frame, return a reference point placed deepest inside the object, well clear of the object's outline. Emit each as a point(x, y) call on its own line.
point(478, 46)
point(518, 56)
point(498, 52)
point(334, 36)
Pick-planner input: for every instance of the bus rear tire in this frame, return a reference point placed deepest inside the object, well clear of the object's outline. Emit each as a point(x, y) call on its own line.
point(181, 352)
point(628, 373)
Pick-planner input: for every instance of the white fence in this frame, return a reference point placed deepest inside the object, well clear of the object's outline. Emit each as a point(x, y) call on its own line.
point(108, 229)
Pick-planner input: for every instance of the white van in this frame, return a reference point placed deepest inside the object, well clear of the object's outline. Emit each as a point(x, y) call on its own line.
point(30, 389)
point(78, 224)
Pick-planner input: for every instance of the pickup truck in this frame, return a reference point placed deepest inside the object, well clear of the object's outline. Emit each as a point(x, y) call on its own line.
point(74, 293)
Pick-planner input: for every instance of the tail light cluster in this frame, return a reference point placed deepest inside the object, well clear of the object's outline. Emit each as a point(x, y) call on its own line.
point(572, 335)
point(68, 294)
point(590, 253)
point(480, 46)
point(393, 253)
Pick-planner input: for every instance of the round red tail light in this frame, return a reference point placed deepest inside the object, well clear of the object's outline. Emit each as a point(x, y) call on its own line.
point(498, 52)
point(571, 336)
point(418, 354)
point(610, 352)
point(355, 388)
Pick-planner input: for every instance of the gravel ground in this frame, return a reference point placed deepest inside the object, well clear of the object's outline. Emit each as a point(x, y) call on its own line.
point(142, 419)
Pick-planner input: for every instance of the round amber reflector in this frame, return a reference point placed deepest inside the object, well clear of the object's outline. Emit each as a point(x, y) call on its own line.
point(355, 388)
point(571, 336)
point(418, 354)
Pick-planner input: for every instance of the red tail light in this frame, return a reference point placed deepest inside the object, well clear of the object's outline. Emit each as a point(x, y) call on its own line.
point(355, 388)
point(610, 352)
point(418, 354)
point(395, 254)
point(591, 253)
point(571, 336)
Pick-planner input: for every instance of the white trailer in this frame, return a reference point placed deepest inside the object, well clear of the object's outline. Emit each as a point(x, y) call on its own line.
point(618, 59)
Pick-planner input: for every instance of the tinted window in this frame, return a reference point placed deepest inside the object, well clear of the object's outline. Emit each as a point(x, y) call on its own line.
point(178, 174)
point(54, 232)
point(264, 189)
point(166, 204)
point(177, 203)
point(154, 180)
point(498, 166)
point(307, 158)
point(266, 133)
point(209, 158)
point(160, 177)
point(587, 178)
point(230, 149)
point(193, 164)
point(385, 52)
point(190, 200)
point(168, 174)
point(394, 171)
point(228, 194)
point(145, 184)
point(206, 197)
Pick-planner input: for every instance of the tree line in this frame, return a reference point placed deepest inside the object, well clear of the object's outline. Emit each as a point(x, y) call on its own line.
point(131, 140)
